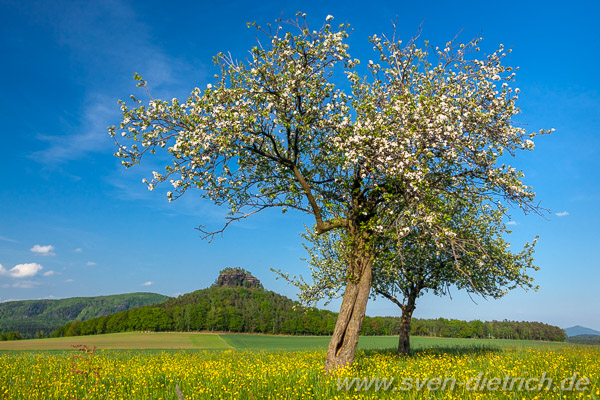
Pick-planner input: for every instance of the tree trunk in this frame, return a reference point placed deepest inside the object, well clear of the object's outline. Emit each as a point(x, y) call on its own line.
point(342, 346)
point(407, 311)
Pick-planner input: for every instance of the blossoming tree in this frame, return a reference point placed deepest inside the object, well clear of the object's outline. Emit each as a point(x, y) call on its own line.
point(275, 131)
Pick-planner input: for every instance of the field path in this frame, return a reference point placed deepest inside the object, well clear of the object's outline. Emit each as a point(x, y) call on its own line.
point(202, 341)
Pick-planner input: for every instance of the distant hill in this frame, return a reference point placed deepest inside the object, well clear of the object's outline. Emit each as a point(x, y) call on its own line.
point(580, 330)
point(31, 317)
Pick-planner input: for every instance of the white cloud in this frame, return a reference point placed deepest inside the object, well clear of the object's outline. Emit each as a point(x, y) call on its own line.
point(511, 223)
point(562, 214)
point(91, 263)
point(149, 283)
point(22, 270)
point(43, 250)
point(69, 280)
point(48, 273)
point(78, 250)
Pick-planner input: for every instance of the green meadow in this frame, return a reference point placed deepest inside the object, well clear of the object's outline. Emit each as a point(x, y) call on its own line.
point(239, 341)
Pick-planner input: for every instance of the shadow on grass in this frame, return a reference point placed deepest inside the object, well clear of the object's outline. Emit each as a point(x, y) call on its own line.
point(439, 351)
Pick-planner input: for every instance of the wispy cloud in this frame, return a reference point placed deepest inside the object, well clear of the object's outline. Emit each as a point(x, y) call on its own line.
point(94, 35)
point(78, 250)
point(562, 214)
point(128, 186)
point(69, 280)
point(49, 273)
point(6, 239)
point(47, 250)
point(149, 283)
point(25, 284)
point(90, 263)
point(22, 270)
point(511, 223)
point(91, 136)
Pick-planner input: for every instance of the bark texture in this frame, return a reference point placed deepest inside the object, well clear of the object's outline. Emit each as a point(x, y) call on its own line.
point(342, 346)
point(404, 339)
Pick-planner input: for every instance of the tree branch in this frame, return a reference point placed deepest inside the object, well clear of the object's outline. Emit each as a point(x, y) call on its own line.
point(390, 298)
point(322, 226)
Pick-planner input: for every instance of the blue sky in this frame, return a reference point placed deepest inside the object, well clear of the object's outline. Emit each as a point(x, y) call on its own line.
point(73, 222)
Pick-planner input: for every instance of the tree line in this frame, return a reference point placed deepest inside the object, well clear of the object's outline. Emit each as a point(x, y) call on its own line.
point(262, 311)
point(10, 336)
point(584, 339)
point(453, 328)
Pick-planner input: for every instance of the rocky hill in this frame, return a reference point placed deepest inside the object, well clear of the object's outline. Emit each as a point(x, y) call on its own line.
point(237, 277)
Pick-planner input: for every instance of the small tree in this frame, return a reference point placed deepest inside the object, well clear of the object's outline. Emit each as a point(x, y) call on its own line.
point(476, 259)
point(274, 131)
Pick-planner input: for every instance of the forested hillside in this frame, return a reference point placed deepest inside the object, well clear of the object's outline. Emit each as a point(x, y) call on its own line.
point(40, 317)
point(234, 309)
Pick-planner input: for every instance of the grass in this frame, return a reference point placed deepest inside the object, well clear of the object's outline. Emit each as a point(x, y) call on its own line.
point(275, 342)
point(210, 341)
